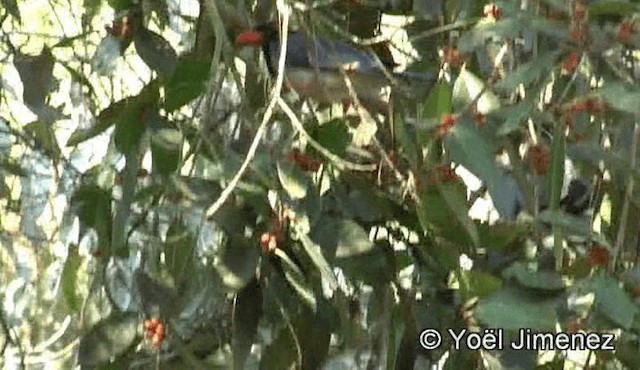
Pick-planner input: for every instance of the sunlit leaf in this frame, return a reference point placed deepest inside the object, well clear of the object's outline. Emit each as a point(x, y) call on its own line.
point(297, 281)
point(292, 180)
point(69, 278)
point(468, 148)
point(468, 87)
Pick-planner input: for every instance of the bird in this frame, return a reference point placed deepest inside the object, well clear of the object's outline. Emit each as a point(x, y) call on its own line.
point(316, 68)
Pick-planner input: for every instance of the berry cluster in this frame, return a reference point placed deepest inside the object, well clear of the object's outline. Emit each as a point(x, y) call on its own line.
point(625, 31)
point(539, 159)
point(598, 256)
point(269, 241)
point(305, 162)
point(446, 123)
point(156, 331)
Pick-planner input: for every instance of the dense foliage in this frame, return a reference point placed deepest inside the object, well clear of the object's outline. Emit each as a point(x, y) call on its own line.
point(167, 204)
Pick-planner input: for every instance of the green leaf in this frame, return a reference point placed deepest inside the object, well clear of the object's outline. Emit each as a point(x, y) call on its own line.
point(12, 7)
point(476, 37)
point(556, 171)
point(542, 280)
point(612, 8)
point(352, 240)
point(36, 74)
point(93, 207)
point(282, 353)
point(478, 284)
point(500, 236)
point(297, 281)
point(366, 203)
point(178, 250)
point(612, 301)
point(121, 4)
point(314, 335)
point(107, 118)
point(467, 88)
point(621, 97)
point(515, 115)
point(293, 181)
point(69, 278)
point(11, 166)
point(440, 204)
point(513, 309)
point(166, 145)
point(529, 72)
point(238, 265)
point(109, 338)
point(373, 268)
point(334, 136)
point(187, 82)
point(156, 52)
point(470, 149)
point(314, 252)
point(45, 138)
point(247, 311)
point(458, 205)
point(134, 117)
point(107, 53)
point(575, 225)
point(438, 102)
point(628, 354)
point(159, 292)
point(406, 140)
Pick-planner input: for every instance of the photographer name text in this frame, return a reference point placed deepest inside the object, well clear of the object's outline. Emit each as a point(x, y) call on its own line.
point(526, 339)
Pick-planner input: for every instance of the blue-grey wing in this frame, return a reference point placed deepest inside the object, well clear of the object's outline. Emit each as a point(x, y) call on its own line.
point(311, 52)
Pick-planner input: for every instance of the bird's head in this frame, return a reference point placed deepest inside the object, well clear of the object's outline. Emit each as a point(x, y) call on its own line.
point(258, 36)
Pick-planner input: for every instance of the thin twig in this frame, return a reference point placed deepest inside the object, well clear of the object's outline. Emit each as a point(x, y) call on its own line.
point(627, 197)
point(441, 29)
point(339, 162)
point(275, 93)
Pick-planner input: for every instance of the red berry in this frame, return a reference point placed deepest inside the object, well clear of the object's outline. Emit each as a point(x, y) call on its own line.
point(570, 63)
point(446, 122)
point(598, 256)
